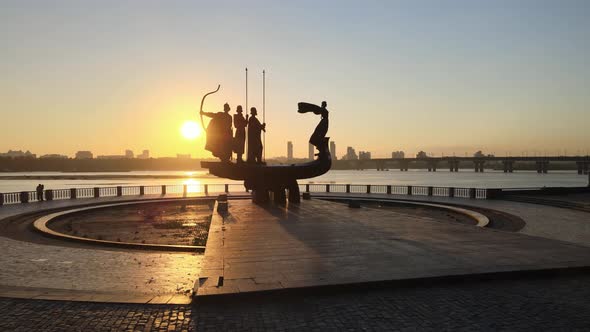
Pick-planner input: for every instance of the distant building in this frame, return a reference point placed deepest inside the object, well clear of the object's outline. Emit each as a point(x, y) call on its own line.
point(144, 155)
point(84, 155)
point(421, 155)
point(183, 156)
point(310, 152)
point(53, 156)
point(333, 150)
point(289, 150)
point(364, 155)
point(112, 156)
point(129, 154)
point(18, 154)
point(350, 154)
point(398, 154)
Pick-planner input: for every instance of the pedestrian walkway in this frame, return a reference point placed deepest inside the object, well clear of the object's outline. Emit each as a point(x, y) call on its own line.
point(36, 271)
point(322, 243)
point(541, 220)
point(296, 236)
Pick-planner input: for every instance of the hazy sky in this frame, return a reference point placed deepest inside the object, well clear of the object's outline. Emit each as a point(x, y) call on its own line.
point(440, 76)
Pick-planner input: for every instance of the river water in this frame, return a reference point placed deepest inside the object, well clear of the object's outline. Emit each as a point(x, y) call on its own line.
point(464, 178)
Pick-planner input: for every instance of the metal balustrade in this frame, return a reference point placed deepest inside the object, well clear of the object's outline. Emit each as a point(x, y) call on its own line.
point(358, 189)
point(481, 193)
point(440, 191)
point(215, 189)
point(337, 188)
point(462, 192)
point(84, 192)
point(399, 190)
point(62, 194)
point(130, 191)
point(377, 189)
point(107, 191)
point(152, 190)
point(420, 191)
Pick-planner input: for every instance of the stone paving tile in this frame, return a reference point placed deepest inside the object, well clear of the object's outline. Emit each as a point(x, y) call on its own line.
point(548, 303)
point(319, 243)
point(34, 265)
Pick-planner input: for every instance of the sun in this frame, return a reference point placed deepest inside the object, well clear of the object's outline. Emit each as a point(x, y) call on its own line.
point(190, 130)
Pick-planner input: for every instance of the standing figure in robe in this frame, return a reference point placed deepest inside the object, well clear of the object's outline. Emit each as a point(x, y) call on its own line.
point(219, 134)
point(240, 137)
point(255, 129)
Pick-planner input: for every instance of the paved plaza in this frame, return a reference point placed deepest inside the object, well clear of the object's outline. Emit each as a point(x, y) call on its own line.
point(322, 243)
point(318, 243)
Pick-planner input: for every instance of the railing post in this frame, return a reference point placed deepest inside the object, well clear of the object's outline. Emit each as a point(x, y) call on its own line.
point(409, 190)
point(24, 196)
point(430, 191)
point(368, 189)
point(184, 190)
point(451, 192)
point(163, 189)
point(73, 193)
point(493, 193)
point(206, 189)
point(327, 188)
point(348, 189)
point(96, 192)
point(307, 188)
point(227, 188)
point(48, 195)
point(119, 191)
point(1, 199)
point(388, 190)
point(471, 192)
point(141, 190)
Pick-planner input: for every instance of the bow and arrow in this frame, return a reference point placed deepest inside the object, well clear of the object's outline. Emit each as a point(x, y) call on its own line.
point(202, 102)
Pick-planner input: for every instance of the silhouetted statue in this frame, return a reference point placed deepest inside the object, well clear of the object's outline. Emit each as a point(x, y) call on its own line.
point(318, 138)
point(255, 128)
point(240, 137)
point(219, 134)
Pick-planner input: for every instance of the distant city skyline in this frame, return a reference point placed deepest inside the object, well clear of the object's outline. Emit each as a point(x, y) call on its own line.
point(455, 77)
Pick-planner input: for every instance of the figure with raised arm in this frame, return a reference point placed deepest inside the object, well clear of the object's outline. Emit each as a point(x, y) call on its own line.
point(318, 138)
point(219, 134)
point(255, 129)
point(240, 137)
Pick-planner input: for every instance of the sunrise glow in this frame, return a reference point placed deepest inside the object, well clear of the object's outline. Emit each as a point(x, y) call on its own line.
point(190, 130)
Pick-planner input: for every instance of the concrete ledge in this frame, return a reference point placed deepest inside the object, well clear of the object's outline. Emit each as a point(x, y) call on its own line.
point(33, 293)
point(395, 283)
point(41, 225)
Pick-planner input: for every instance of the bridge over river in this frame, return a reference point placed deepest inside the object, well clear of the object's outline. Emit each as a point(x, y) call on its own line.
point(452, 162)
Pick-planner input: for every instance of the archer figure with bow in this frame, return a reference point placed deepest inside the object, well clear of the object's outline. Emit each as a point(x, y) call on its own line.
point(219, 131)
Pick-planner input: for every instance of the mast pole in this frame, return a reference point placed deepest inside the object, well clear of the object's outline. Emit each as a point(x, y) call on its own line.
point(246, 143)
point(264, 111)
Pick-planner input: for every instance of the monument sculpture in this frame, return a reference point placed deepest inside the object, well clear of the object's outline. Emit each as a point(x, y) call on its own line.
point(265, 181)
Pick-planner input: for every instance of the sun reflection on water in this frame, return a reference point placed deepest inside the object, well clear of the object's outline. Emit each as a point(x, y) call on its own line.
point(192, 185)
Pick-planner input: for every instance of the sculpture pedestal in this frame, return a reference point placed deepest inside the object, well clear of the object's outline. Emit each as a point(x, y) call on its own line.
point(263, 193)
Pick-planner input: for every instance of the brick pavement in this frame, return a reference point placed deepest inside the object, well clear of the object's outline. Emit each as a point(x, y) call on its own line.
point(548, 303)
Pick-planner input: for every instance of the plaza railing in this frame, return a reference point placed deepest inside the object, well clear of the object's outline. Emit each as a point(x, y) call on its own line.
point(194, 190)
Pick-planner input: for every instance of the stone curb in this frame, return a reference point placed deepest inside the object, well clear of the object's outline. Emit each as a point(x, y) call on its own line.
point(34, 293)
point(41, 225)
point(480, 219)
